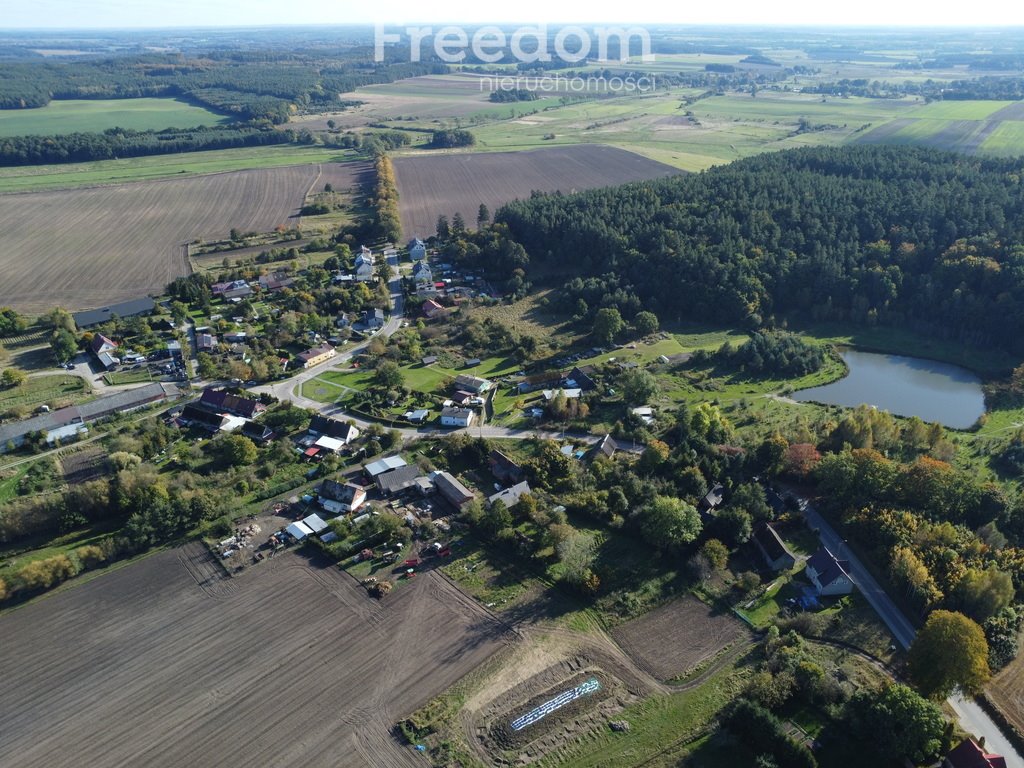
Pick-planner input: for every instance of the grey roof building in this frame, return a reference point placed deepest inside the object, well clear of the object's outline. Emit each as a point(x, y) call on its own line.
point(91, 317)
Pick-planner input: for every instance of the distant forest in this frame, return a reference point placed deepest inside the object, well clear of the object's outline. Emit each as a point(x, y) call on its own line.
point(118, 142)
point(260, 91)
point(249, 86)
point(874, 235)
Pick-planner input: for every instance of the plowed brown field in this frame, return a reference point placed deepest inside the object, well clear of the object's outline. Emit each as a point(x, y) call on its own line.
point(86, 248)
point(445, 184)
point(169, 663)
point(671, 640)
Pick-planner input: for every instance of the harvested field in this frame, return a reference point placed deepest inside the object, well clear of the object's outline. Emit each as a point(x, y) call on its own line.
point(671, 640)
point(883, 133)
point(290, 664)
point(1006, 692)
point(86, 248)
point(420, 99)
point(954, 134)
point(1014, 111)
point(433, 185)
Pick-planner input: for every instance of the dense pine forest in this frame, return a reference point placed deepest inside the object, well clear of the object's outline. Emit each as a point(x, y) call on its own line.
point(873, 235)
point(120, 142)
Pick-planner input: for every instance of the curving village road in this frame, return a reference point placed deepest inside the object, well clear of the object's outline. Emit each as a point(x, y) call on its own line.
point(972, 717)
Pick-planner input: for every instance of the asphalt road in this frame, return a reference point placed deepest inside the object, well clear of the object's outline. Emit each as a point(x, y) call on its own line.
point(973, 718)
point(291, 389)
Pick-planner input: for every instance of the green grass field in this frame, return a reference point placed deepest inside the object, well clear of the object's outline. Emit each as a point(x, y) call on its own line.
point(96, 115)
point(662, 728)
point(1007, 140)
point(9, 486)
point(119, 378)
point(35, 177)
point(724, 128)
point(959, 110)
point(41, 389)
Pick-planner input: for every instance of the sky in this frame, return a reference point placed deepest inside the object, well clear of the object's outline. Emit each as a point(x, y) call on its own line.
point(72, 14)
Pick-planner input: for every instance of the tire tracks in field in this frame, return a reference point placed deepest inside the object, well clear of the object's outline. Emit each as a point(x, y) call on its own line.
point(208, 574)
point(309, 191)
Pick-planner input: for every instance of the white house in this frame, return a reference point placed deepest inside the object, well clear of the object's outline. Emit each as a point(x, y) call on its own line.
point(417, 249)
point(457, 417)
point(828, 574)
point(364, 266)
point(340, 498)
point(424, 279)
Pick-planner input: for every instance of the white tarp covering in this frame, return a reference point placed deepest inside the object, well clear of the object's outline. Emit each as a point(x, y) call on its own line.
point(330, 443)
point(383, 465)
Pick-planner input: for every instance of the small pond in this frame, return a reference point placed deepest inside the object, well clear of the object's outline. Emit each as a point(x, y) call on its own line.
point(905, 386)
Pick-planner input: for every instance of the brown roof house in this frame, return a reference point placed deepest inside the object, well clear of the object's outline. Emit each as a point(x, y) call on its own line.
point(773, 549)
point(972, 754)
point(222, 400)
point(455, 492)
point(504, 469)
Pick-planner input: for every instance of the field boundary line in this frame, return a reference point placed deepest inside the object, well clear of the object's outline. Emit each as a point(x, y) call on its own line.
point(172, 176)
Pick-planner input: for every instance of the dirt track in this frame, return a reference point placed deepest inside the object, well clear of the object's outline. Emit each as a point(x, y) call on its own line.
point(445, 184)
point(167, 663)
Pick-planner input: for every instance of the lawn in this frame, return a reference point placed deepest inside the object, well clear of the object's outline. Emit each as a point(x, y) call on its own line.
point(494, 583)
point(331, 386)
point(9, 486)
point(36, 177)
point(693, 384)
point(762, 610)
point(16, 557)
point(43, 389)
point(97, 115)
point(118, 378)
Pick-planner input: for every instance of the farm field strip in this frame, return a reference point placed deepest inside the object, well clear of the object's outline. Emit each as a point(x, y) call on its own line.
point(291, 664)
point(30, 178)
point(434, 185)
point(96, 115)
point(91, 247)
